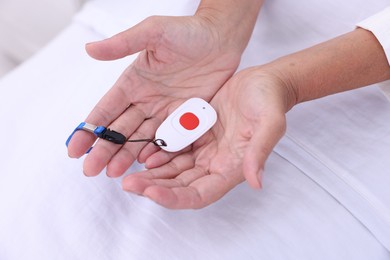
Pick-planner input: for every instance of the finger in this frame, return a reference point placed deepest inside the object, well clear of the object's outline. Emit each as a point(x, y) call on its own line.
point(184, 179)
point(110, 107)
point(199, 194)
point(260, 147)
point(104, 151)
point(138, 182)
point(162, 157)
point(80, 144)
point(146, 152)
point(128, 153)
point(128, 42)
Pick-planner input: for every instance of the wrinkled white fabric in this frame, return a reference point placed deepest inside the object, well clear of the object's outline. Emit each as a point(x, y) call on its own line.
point(324, 195)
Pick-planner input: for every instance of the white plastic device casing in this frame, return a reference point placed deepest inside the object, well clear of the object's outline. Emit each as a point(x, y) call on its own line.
point(186, 124)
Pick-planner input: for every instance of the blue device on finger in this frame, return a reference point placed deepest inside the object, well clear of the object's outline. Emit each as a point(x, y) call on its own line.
point(110, 135)
point(99, 131)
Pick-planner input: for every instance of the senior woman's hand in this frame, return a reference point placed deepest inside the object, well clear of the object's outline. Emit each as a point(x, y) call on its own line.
point(180, 58)
point(251, 119)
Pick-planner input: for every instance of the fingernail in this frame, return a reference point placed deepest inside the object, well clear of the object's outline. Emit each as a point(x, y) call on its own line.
point(93, 42)
point(89, 43)
point(86, 174)
point(73, 156)
point(260, 178)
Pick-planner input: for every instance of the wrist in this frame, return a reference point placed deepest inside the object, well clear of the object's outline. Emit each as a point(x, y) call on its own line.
point(286, 84)
point(232, 20)
point(270, 79)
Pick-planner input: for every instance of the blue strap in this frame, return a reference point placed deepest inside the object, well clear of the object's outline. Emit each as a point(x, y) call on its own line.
point(79, 127)
point(97, 132)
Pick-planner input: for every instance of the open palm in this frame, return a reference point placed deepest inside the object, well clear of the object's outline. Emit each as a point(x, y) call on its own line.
point(251, 120)
point(180, 57)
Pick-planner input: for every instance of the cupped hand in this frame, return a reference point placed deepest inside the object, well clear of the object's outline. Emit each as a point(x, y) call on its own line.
point(180, 58)
point(251, 111)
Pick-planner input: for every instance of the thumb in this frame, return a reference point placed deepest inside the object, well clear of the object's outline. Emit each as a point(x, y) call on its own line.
point(260, 147)
point(131, 41)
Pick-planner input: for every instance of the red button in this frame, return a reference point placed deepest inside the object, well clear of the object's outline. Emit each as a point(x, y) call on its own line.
point(189, 121)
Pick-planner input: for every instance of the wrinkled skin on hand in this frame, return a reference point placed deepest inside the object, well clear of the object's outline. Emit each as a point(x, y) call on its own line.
point(180, 58)
point(251, 119)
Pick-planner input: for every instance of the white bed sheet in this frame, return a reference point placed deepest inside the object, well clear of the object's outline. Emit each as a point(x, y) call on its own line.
point(310, 207)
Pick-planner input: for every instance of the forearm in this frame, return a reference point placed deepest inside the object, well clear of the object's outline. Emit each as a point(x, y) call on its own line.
point(235, 19)
point(350, 61)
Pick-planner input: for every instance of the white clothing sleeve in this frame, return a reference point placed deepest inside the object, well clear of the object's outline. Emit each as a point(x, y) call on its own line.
point(379, 25)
